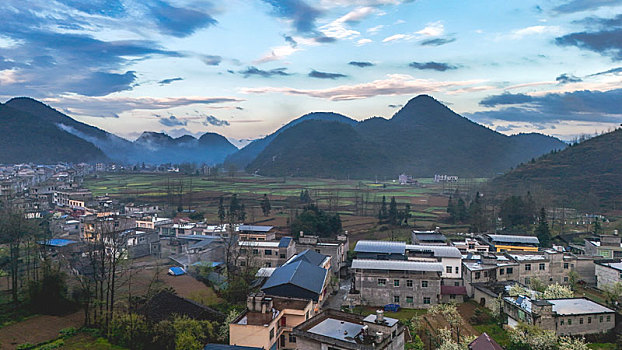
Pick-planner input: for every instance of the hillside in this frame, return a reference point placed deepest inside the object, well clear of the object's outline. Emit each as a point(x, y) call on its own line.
point(246, 155)
point(422, 139)
point(150, 147)
point(586, 176)
point(27, 138)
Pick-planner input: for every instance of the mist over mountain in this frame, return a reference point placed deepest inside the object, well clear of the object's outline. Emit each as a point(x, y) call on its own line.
point(90, 143)
point(422, 139)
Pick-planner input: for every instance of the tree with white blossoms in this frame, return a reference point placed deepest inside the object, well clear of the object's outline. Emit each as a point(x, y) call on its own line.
point(517, 290)
point(450, 313)
point(529, 337)
point(613, 293)
point(447, 343)
point(569, 343)
point(557, 291)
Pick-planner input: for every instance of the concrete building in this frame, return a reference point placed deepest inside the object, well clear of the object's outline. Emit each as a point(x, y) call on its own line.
point(471, 245)
point(608, 273)
point(411, 284)
point(607, 246)
point(571, 316)
point(265, 253)
point(380, 250)
point(142, 243)
point(268, 321)
point(338, 330)
point(428, 238)
point(256, 233)
point(336, 249)
point(500, 243)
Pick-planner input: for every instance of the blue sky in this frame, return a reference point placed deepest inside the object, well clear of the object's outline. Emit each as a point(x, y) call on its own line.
point(243, 68)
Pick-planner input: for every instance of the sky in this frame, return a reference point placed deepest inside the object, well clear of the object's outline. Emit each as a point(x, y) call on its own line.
point(243, 68)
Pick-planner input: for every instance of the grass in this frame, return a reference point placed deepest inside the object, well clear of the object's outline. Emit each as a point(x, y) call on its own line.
point(88, 342)
point(495, 331)
point(205, 297)
point(602, 346)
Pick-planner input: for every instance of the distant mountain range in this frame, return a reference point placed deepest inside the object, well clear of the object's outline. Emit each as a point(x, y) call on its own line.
point(422, 139)
point(36, 132)
point(586, 175)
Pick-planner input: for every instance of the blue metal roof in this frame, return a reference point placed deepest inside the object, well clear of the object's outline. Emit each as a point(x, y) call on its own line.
point(284, 242)
point(386, 247)
point(310, 256)
point(57, 242)
point(254, 228)
point(301, 274)
point(176, 271)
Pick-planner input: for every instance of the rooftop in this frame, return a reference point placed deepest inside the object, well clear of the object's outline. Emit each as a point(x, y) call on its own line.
point(255, 228)
point(514, 239)
point(577, 306)
point(300, 273)
point(380, 247)
point(484, 342)
point(438, 251)
point(310, 256)
point(429, 236)
point(337, 329)
point(617, 266)
point(528, 257)
point(259, 244)
point(388, 321)
point(401, 265)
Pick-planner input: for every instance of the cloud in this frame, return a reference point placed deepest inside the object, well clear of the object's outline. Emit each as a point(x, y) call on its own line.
point(325, 75)
point(324, 39)
point(302, 15)
point(169, 81)
point(609, 71)
point(110, 8)
point(534, 30)
point(606, 42)
point(567, 78)
point(250, 71)
point(290, 40)
point(177, 21)
point(583, 5)
point(437, 66)
point(112, 105)
point(437, 41)
point(376, 29)
point(396, 37)
point(432, 29)
point(395, 106)
point(585, 105)
point(211, 60)
point(338, 28)
point(171, 121)
point(363, 42)
point(393, 85)
point(277, 53)
point(361, 64)
point(102, 83)
point(211, 120)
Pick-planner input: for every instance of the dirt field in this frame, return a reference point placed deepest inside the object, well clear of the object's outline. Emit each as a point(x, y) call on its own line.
point(37, 329)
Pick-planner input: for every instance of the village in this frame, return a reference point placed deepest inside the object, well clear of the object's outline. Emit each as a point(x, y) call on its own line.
point(302, 290)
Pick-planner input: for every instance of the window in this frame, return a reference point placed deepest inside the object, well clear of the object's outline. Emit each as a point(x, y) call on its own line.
point(426, 300)
point(561, 323)
point(242, 263)
point(424, 284)
point(307, 315)
point(452, 296)
point(608, 318)
point(485, 273)
point(570, 322)
point(448, 269)
point(471, 246)
point(409, 300)
point(292, 338)
point(457, 269)
point(589, 320)
point(600, 319)
point(527, 267)
point(271, 333)
point(268, 252)
point(396, 299)
point(282, 340)
point(281, 256)
point(243, 251)
point(457, 284)
point(382, 282)
point(255, 251)
point(396, 283)
point(566, 266)
point(566, 279)
point(477, 275)
point(501, 271)
point(409, 283)
point(317, 250)
point(509, 270)
point(268, 264)
point(581, 320)
point(541, 267)
point(527, 280)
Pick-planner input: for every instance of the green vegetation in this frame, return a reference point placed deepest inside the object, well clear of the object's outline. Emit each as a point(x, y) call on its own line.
point(316, 221)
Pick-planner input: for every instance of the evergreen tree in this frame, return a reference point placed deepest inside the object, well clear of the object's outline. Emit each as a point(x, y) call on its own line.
point(597, 227)
point(461, 210)
point(476, 215)
point(221, 211)
point(242, 213)
point(406, 213)
point(451, 210)
point(542, 231)
point(392, 214)
point(382, 214)
point(265, 205)
point(234, 207)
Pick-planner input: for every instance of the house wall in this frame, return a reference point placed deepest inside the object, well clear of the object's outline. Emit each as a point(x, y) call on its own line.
point(256, 336)
point(606, 276)
point(366, 282)
point(456, 267)
point(595, 326)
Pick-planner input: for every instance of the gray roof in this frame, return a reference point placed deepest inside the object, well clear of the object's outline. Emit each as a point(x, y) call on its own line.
point(514, 239)
point(309, 256)
point(400, 265)
point(616, 266)
point(429, 236)
point(437, 250)
point(301, 274)
point(387, 320)
point(337, 329)
point(577, 306)
point(380, 247)
point(254, 228)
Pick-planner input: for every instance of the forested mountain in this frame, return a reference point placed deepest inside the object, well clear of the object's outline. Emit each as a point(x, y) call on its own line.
point(422, 139)
point(27, 138)
point(586, 175)
point(150, 147)
point(247, 154)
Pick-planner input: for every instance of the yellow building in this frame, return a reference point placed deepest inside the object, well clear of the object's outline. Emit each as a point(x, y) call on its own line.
point(500, 243)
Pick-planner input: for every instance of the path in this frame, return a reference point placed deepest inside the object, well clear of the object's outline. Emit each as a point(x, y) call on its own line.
point(335, 301)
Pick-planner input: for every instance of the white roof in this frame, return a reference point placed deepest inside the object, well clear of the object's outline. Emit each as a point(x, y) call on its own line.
point(400, 265)
point(265, 272)
point(259, 244)
point(578, 306)
point(522, 257)
point(617, 266)
point(439, 251)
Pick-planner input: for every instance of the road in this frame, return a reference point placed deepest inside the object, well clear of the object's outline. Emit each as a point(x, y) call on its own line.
point(336, 301)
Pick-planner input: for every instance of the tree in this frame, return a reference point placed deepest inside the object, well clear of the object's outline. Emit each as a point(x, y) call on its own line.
point(597, 227)
point(573, 279)
point(265, 205)
point(14, 230)
point(557, 291)
point(461, 211)
point(451, 210)
point(476, 216)
point(221, 210)
point(316, 221)
point(514, 213)
point(407, 214)
point(234, 208)
point(517, 290)
point(382, 214)
point(529, 337)
point(392, 214)
point(613, 293)
point(450, 313)
point(223, 331)
point(542, 231)
point(569, 343)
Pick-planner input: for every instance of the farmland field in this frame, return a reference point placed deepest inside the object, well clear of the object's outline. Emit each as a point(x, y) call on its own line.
point(357, 201)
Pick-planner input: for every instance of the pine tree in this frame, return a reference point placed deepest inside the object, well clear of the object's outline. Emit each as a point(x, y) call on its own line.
point(392, 211)
point(265, 205)
point(542, 231)
point(451, 210)
point(461, 210)
point(406, 213)
point(221, 210)
point(382, 214)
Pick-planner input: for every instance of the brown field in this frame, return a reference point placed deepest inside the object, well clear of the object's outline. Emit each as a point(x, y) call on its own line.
point(37, 329)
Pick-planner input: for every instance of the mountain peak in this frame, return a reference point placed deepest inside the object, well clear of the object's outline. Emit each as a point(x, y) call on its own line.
point(424, 109)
